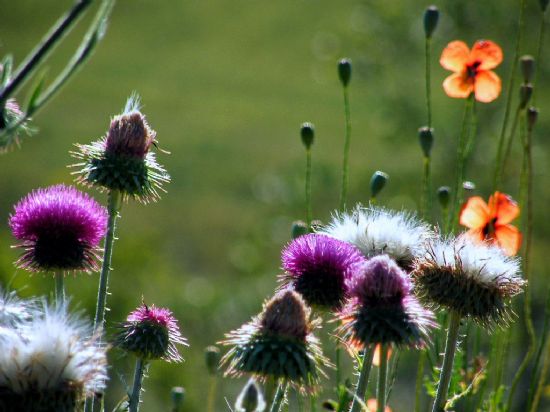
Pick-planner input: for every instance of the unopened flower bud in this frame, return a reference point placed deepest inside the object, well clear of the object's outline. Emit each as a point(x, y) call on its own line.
point(426, 137)
point(212, 359)
point(178, 395)
point(532, 115)
point(431, 17)
point(344, 71)
point(527, 68)
point(299, 228)
point(468, 186)
point(250, 399)
point(525, 93)
point(377, 182)
point(316, 224)
point(444, 195)
point(543, 4)
point(307, 132)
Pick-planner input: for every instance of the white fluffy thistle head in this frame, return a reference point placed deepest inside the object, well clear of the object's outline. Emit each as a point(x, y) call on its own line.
point(53, 359)
point(376, 231)
point(13, 310)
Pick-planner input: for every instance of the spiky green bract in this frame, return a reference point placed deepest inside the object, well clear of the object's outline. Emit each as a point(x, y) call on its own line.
point(278, 343)
point(122, 160)
point(473, 279)
point(151, 333)
point(12, 124)
point(382, 310)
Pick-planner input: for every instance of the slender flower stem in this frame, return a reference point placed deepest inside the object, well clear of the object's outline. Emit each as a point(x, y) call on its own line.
point(308, 188)
point(447, 367)
point(363, 381)
point(539, 55)
point(508, 144)
point(279, 397)
point(497, 179)
point(337, 365)
point(113, 208)
point(382, 378)
point(313, 402)
point(419, 381)
point(540, 350)
point(428, 81)
point(59, 287)
point(136, 387)
point(345, 163)
point(542, 380)
point(212, 388)
point(52, 38)
point(426, 184)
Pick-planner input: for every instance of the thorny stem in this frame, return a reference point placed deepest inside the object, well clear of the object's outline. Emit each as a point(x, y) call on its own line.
point(345, 163)
point(447, 367)
point(382, 378)
point(59, 287)
point(419, 379)
point(136, 387)
point(361, 389)
point(279, 397)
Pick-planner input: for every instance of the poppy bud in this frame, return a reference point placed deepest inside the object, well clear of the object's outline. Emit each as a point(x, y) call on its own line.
point(527, 68)
point(443, 195)
point(525, 93)
point(344, 71)
point(377, 183)
point(532, 115)
point(178, 395)
point(431, 16)
point(426, 136)
point(250, 399)
point(299, 228)
point(307, 132)
point(469, 186)
point(544, 4)
point(212, 358)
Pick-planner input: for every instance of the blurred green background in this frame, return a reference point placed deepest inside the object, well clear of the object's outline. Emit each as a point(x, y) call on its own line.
point(226, 85)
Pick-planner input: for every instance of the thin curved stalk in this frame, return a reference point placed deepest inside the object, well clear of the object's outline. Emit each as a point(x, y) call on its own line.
point(419, 380)
point(363, 380)
point(212, 389)
point(308, 188)
point(382, 378)
point(345, 163)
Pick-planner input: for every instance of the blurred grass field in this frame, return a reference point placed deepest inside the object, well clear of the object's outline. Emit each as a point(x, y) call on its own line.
point(226, 86)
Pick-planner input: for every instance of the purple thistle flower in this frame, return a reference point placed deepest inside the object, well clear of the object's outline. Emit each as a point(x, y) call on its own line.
point(382, 308)
point(60, 229)
point(151, 333)
point(319, 267)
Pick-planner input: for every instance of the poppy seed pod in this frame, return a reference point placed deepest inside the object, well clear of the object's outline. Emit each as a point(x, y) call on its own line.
point(527, 64)
point(378, 182)
point(431, 17)
point(307, 133)
point(344, 71)
point(426, 138)
point(444, 195)
point(212, 359)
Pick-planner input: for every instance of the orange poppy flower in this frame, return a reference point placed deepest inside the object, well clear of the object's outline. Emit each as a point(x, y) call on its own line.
point(372, 406)
point(492, 222)
point(472, 70)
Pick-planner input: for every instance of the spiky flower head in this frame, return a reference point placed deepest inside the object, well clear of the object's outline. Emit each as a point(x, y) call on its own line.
point(122, 160)
point(382, 310)
point(377, 231)
point(13, 310)
point(277, 343)
point(50, 363)
point(473, 279)
point(60, 229)
point(151, 333)
point(318, 267)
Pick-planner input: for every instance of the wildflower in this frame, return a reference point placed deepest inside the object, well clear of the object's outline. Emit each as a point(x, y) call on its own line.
point(317, 267)
point(472, 70)
point(59, 228)
point(14, 311)
point(151, 333)
point(376, 231)
point(277, 343)
point(382, 309)
point(491, 222)
point(473, 279)
point(51, 363)
point(122, 160)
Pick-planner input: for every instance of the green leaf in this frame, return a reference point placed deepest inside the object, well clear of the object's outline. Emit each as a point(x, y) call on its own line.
point(35, 95)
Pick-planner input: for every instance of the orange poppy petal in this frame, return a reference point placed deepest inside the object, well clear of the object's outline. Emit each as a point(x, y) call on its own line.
point(458, 86)
point(489, 54)
point(474, 213)
point(503, 207)
point(372, 406)
point(508, 238)
point(455, 56)
point(476, 235)
point(487, 86)
point(376, 356)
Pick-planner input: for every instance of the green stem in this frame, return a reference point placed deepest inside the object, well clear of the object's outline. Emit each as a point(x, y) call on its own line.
point(497, 180)
point(360, 391)
point(59, 288)
point(345, 163)
point(428, 82)
point(447, 367)
point(542, 380)
point(113, 208)
point(52, 38)
point(539, 56)
point(426, 184)
point(308, 188)
point(540, 350)
point(136, 388)
point(382, 378)
point(508, 144)
point(279, 397)
point(337, 356)
point(313, 402)
point(419, 381)
point(212, 388)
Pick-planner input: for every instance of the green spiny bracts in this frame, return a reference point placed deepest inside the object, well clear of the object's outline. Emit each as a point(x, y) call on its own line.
point(278, 343)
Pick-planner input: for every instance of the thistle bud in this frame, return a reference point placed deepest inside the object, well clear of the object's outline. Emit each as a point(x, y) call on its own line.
point(299, 228)
point(307, 132)
point(377, 183)
point(426, 137)
point(250, 399)
point(532, 115)
point(444, 195)
point(212, 359)
point(431, 17)
point(527, 68)
point(543, 4)
point(525, 93)
point(178, 396)
point(344, 71)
